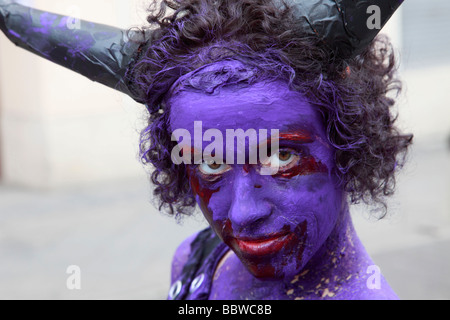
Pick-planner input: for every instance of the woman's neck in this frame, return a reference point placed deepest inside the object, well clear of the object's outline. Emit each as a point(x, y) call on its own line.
point(338, 265)
point(338, 270)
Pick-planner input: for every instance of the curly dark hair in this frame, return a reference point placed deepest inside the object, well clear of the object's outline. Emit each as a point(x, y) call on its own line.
point(355, 96)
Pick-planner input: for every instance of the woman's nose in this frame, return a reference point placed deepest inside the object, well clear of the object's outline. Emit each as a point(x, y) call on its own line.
point(248, 207)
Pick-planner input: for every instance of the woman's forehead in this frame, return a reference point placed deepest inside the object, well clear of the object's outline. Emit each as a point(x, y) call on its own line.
point(264, 105)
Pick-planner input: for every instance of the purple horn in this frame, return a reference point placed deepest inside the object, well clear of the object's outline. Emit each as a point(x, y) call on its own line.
point(99, 52)
point(346, 26)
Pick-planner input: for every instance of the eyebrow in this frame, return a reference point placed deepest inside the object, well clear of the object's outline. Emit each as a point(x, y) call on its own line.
point(295, 136)
point(301, 136)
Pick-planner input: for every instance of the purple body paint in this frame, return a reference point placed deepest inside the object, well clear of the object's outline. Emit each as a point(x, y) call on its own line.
point(290, 233)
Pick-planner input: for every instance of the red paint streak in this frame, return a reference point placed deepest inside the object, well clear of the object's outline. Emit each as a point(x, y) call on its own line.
point(227, 228)
point(300, 233)
point(307, 165)
point(203, 192)
point(299, 136)
point(262, 271)
point(302, 136)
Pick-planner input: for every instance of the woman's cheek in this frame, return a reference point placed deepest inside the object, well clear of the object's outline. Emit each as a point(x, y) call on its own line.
point(214, 201)
point(202, 192)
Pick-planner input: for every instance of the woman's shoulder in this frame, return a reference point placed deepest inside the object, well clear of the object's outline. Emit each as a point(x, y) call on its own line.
point(181, 256)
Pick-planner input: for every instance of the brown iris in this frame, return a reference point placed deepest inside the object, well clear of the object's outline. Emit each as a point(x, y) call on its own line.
point(214, 166)
point(284, 155)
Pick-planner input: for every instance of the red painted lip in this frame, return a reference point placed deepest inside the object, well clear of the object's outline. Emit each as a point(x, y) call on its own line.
point(265, 246)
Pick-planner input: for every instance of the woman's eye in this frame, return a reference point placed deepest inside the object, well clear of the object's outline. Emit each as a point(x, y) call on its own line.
point(213, 168)
point(285, 156)
point(283, 159)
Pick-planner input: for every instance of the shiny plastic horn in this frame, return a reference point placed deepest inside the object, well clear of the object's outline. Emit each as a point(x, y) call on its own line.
point(99, 52)
point(346, 26)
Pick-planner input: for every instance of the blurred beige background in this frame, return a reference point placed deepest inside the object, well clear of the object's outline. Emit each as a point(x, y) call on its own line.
point(59, 128)
point(72, 191)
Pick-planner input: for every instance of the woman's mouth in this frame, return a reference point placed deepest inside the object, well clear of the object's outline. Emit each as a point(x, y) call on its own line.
point(263, 246)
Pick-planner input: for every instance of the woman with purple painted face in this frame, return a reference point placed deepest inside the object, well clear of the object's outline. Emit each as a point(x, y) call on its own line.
point(311, 70)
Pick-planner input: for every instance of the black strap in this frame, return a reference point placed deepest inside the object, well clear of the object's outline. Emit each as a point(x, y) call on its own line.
point(206, 251)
